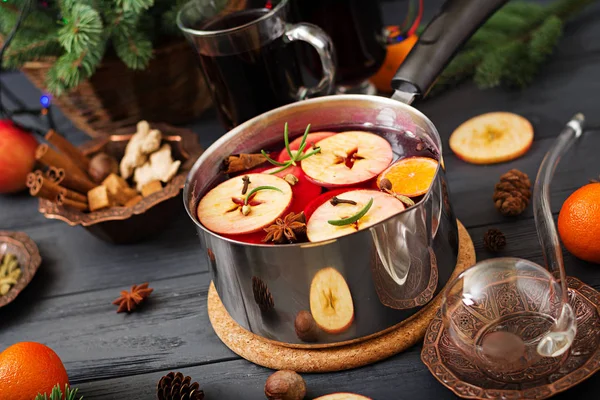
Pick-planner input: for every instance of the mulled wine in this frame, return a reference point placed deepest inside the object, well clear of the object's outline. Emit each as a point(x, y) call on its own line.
point(251, 82)
point(356, 29)
point(320, 186)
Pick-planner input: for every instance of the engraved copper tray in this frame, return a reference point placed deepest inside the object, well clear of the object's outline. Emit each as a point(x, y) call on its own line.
point(447, 364)
point(28, 255)
point(149, 216)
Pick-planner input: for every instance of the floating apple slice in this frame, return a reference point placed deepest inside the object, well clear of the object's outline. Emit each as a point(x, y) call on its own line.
point(319, 226)
point(317, 201)
point(311, 139)
point(343, 396)
point(331, 301)
point(492, 138)
point(348, 158)
point(303, 190)
point(224, 210)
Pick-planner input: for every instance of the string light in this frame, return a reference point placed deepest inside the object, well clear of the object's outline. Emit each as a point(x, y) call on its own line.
point(45, 101)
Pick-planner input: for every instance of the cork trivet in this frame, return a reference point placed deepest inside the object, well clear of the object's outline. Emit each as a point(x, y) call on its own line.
point(268, 354)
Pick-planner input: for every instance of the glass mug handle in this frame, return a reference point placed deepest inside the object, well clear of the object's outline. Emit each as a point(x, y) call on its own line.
point(322, 43)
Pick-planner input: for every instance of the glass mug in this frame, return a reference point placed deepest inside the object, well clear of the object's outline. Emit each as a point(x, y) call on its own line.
point(357, 34)
point(243, 49)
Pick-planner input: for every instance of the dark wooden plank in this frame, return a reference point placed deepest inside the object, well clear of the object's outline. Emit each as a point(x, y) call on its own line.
point(96, 343)
point(402, 377)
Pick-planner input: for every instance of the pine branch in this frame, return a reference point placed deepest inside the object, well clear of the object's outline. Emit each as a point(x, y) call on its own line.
point(23, 49)
point(545, 38)
point(136, 6)
point(82, 30)
point(71, 69)
point(169, 18)
point(135, 50)
point(57, 394)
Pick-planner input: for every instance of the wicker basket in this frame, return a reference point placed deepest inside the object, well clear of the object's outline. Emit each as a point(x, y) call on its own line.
point(170, 90)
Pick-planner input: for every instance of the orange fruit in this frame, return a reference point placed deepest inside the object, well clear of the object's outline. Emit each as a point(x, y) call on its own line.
point(410, 176)
point(396, 53)
point(27, 369)
point(579, 223)
point(492, 138)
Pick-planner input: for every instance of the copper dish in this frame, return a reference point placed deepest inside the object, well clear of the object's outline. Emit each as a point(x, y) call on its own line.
point(26, 251)
point(149, 216)
point(448, 365)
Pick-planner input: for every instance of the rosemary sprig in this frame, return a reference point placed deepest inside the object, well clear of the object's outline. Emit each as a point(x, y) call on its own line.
point(294, 157)
point(354, 218)
point(258, 188)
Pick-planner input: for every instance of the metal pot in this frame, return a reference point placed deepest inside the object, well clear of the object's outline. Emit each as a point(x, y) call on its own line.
point(393, 268)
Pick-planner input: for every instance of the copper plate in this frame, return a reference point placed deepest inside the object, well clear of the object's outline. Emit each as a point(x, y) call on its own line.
point(130, 224)
point(26, 251)
point(448, 365)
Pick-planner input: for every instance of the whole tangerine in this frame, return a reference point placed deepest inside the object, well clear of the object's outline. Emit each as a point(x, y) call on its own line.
point(579, 223)
point(28, 369)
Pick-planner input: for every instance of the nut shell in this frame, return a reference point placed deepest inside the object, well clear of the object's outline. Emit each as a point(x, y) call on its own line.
point(285, 385)
point(306, 327)
point(101, 166)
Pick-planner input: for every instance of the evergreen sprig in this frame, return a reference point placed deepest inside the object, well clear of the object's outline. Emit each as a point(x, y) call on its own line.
point(510, 48)
point(80, 33)
point(57, 394)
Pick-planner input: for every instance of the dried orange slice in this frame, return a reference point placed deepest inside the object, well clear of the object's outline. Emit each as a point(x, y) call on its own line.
point(492, 138)
point(410, 176)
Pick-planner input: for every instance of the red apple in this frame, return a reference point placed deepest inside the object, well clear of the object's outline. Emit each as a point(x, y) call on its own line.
point(384, 206)
point(311, 139)
point(223, 209)
point(254, 238)
point(348, 158)
point(17, 156)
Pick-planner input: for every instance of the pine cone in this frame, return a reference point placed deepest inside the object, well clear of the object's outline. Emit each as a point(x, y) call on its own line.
point(262, 295)
point(494, 240)
point(512, 193)
point(174, 386)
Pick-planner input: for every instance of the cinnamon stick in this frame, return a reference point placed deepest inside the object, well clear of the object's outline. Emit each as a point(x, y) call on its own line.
point(31, 177)
point(68, 149)
point(74, 182)
point(63, 201)
point(71, 195)
point(56, 175)
point(44, 188)
point(243, 162)
point(51, 158)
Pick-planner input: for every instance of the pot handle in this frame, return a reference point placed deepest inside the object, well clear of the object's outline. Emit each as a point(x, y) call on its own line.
point(444, 35)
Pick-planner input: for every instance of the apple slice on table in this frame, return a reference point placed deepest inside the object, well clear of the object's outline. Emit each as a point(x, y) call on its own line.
point(311, 140)
point(225, 210)
point(492, 138)
point(348, 158)
point(331, 301)
point(324, 223)
point(343, 396)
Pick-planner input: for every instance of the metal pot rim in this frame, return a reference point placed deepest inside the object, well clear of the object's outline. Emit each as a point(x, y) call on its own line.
point(318, 100)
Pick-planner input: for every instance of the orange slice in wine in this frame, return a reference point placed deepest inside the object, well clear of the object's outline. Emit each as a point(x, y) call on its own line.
point(410, 176)
point(492, 138)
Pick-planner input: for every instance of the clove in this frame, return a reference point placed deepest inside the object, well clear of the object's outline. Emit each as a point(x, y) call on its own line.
point(246, 180)
point(335, 201)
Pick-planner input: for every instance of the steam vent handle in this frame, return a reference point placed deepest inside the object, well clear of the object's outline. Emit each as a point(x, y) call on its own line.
point(442, 38)
point(544, 221)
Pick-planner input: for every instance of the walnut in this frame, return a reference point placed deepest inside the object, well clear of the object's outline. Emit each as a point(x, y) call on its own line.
point(142, 143)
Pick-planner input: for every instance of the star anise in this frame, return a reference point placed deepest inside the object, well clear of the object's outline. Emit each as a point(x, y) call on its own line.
point(130, 300)
point(289, 228)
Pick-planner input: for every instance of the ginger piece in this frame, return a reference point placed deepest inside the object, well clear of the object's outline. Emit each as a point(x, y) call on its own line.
point(151, 187)
point(160, 167)
point(119, 191)
point(142, 143)
point(98, 198)
point(133, 201)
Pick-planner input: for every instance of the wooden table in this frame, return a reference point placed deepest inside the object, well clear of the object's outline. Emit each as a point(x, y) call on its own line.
point(117, 356)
